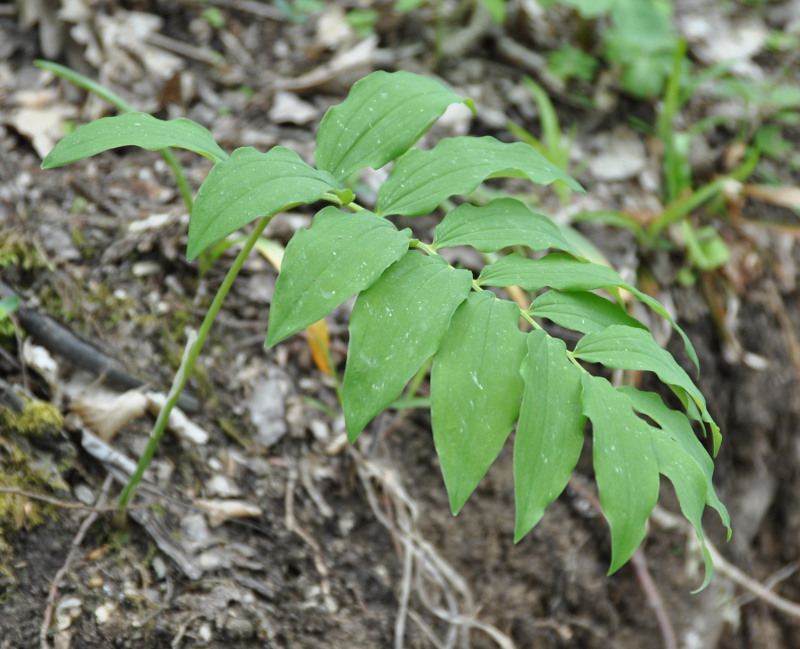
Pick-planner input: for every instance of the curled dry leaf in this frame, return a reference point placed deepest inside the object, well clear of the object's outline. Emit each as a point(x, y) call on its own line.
point(219, 511)
point(105, 413)
point(781, 195)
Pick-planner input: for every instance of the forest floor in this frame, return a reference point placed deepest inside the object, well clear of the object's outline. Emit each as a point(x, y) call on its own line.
point(332, 545)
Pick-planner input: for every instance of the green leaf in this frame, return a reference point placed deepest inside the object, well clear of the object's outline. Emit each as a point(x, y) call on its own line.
point(677, 426)
point(550, 429)
point(496, 9)
point(569, 274)
point(8, 305)
point(251, 184)
point(630, 348)
point(421, 180)
point(396, 325)
point(689, 483)
point(502, 223)
point(654, 304)
point(684, 461)
point(591, 8)
point(133, 129)
point(584, 312)
point(556, 271)
point(382, 117)
point(475, 390)
point(404, 6)
point(625, 465)
point(338, 256)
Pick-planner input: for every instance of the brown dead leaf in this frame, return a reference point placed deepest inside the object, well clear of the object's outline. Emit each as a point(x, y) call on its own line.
point(319, 342)
point(780, 195)
point(218, 511)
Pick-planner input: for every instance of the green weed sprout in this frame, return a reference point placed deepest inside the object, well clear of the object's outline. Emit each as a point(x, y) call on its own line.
point(487, 374)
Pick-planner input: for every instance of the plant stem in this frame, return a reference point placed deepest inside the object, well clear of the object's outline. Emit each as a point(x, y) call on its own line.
point(190, 354)
point(124, 107)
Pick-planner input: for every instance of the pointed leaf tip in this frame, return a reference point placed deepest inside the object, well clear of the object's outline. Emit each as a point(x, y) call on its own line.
point(339, 255)
point(248, 185)
point(396, 325)
point(475, 391)
point(384, 114)
point(133, 129)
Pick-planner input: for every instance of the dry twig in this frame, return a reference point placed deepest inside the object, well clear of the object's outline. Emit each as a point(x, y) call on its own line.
point(293, 526)
point(723, 566)
point(65, 568)
point(643, 576)
point(64, 504)
point(426, 573)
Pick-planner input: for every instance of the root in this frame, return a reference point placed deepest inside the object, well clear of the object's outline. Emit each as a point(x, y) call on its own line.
point(440, 589)
point(760, 591)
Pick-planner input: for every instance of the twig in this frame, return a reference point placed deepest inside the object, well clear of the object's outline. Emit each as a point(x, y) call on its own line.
point(423, 565)
point(653, 595)
point(61, 341)
point(293, 526)
point(73, 551)
point(723, 566)
point(258, 9)
point(202, 54)
point(64, 504)
point(639, 563)
point(770, 582)
point(176, 641)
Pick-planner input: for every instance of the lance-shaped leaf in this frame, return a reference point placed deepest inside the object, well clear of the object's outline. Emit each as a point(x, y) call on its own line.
point(684, 461)
point(550, 429)
point(625, 465)
point(556, 271)
point(251, 184)
point(629, 348)
point(134, 129)
point(382, 117)
point(503, 222)
point(396, 325)
point(677, 426)
point(475, 390)
point(689, 482)
point(421, 180)
point(566, 273)
point(338, 256)
point(579, 311)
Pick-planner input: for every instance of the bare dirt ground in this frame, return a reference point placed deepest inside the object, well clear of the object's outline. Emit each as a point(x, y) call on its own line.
point(331, 545)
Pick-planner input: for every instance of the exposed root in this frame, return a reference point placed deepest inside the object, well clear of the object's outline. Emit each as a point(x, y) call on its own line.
point(760, 591)
point(643, 576)
point(441, 590)
point(293, 526)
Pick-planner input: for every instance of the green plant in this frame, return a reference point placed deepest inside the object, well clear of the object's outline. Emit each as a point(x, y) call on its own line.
point(704, 248)
point(640, 39)
point(7, 306)
point(412, 306)
point(552, 144)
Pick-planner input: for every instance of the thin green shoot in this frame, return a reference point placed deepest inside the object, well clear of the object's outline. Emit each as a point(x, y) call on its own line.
point(68, 74)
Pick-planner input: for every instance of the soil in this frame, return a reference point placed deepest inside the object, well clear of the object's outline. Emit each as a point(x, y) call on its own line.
point(348, 546)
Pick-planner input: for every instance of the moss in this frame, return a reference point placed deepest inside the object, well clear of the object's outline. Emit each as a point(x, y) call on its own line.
point(37, 418)
point(24, 467)
point(17, 252)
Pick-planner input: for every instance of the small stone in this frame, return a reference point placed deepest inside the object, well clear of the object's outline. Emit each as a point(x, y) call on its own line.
point(239, 628)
